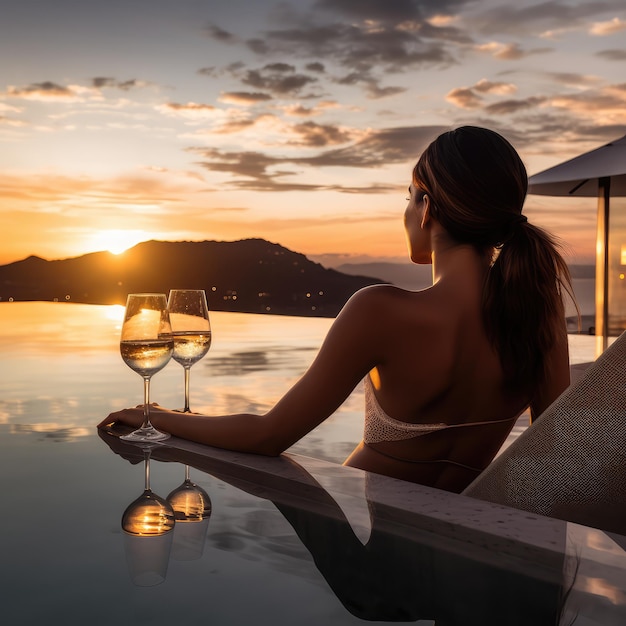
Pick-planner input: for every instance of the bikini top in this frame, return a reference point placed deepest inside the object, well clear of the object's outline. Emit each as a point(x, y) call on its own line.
point(380, 427)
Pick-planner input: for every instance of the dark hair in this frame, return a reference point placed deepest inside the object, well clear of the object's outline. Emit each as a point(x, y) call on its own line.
point(477, 184)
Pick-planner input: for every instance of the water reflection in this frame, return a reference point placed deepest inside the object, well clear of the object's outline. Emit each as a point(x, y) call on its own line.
point(147, 523)
point(52, 432)
point(252, 361)
point(192, 511)
point(402, 572)
point(156, 528)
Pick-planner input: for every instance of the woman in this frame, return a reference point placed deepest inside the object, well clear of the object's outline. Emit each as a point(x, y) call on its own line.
point(447, 369)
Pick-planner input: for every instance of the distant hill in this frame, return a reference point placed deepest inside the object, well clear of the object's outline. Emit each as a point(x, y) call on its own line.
point(405, 275)
point(251, 275)
point(410, 276)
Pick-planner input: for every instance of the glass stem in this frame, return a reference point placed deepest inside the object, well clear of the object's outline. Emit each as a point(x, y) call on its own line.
point(146, 402)
point(187, 409)
point(146, 466)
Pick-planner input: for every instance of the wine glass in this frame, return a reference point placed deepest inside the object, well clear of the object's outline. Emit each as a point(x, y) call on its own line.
point(146, 347)
point(191, 329)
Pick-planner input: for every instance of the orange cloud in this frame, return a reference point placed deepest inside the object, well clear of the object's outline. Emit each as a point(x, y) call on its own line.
point(471, 97)
point(602, 29)
point(605, 106)
point(244, 98)
point(48, 91)
point(189, 110)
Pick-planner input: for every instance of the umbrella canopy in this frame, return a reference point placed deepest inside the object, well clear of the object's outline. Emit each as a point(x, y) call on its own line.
point(579, 176)
point(600, 173)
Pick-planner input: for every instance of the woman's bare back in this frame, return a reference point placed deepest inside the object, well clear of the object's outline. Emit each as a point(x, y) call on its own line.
point(439, 366)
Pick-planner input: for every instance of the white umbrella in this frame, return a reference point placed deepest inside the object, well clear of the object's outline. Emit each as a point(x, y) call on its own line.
point(602, 173)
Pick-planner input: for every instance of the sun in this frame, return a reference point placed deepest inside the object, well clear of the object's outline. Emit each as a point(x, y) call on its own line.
point(118, 241)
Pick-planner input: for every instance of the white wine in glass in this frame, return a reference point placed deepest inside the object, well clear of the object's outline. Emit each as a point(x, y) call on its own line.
point(191, 329)
point(146, 347)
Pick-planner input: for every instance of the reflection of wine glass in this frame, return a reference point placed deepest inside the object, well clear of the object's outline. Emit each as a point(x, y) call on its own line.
point(192, 510)
point(149, 514)
point(190, 502)
point(146, 347)
point(191, 329)
point(147, 523)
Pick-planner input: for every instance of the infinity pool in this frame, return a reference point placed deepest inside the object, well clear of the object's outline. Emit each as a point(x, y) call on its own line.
point(294, 540)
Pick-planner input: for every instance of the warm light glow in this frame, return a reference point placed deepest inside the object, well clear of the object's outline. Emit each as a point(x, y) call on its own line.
point(148, 516)
point(118, 241)
point(115, 312)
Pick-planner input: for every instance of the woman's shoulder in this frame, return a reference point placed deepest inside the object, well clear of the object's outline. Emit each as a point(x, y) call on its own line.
point(390, 304)
point(384, 293)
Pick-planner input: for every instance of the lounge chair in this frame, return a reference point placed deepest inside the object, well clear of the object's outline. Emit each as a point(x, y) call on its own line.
point(571, 462)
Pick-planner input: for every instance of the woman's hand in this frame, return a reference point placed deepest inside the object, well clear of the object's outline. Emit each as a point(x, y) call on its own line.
point(130, 417)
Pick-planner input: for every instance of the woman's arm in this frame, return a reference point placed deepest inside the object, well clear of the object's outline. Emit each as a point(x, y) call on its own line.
point(558, 379)
point(351, 348)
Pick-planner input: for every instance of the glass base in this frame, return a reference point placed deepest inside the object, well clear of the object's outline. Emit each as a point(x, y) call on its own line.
point(146, 434)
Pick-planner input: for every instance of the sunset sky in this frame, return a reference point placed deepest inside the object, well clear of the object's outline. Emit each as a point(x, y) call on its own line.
point(297, 121)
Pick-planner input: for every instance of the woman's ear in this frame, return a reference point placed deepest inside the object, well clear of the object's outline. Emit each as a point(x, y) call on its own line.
point(425, 212)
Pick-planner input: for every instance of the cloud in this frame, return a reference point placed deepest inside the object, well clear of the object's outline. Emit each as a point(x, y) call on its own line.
point(389, 12)
point(551, 17)
point(372, 85)
point(508, 107)
point(602, 29)
point(263, 172)
point(375, 91)
point(48, 91)
point(244, 98)
point(77, 196)
point(8, 121)
point(319, 135)
point(472, 98)
point(464, 97)
point(509, 51)
point(377, 39)
point(612, 54)
point(277, 78)
point(356, 47)
point(547, 130)
point(211, 71)
point(100, 82)
point(189, 110)
point(7, 108)
point(218, 33)
point(498, 88)
point(236, 123)
point(252, 170)
point(604, 106)
point(316, 67)
point(589, 104)
point(299, 110)
point(573, 79)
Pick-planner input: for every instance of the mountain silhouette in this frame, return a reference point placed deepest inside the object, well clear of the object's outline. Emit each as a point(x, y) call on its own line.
point(250, 275)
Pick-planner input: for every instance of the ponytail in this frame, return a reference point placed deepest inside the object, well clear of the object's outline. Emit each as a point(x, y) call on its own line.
point(523, 304)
